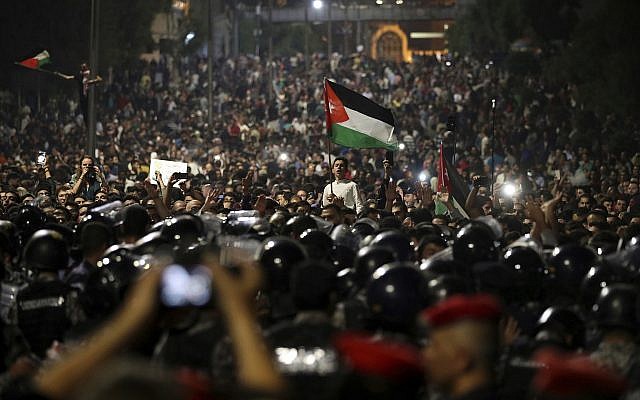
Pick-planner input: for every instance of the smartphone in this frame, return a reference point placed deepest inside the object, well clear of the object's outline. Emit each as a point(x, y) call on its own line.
point(42, 158)
point(185, 286)
point(181, 175)
point(482, 181)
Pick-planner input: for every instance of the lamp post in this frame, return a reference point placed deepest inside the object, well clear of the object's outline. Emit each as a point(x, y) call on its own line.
point(329, 38)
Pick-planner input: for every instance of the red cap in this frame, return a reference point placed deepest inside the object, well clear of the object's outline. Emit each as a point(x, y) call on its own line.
point(382, 358)
point(571, 375)
point(481, 307)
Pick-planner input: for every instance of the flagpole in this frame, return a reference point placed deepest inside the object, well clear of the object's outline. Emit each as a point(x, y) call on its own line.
point(330, 166)
point(493, 142)
point(328, 127)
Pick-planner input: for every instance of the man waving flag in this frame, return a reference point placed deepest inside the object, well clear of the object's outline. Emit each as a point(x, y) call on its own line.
point(449, 181)
point(355, 121)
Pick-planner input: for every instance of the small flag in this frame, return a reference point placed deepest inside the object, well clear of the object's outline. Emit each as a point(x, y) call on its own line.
point(37, 61)
point(357, 122)
point(451, 182)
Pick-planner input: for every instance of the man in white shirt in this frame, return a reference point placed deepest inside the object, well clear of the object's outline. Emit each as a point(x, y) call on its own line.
point(342, 191)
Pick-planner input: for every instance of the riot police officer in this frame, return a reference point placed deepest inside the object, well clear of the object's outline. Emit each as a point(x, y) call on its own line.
point(47, 307)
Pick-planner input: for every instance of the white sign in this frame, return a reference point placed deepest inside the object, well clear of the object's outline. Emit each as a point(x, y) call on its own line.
point(166, 168)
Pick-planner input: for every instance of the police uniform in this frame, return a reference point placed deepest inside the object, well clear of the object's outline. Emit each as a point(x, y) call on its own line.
point(46, 309)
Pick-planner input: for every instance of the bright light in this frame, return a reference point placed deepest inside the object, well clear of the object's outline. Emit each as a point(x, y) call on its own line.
point(446, 26)
point(189, 37)
point(422, 177)
point(317, 4)
point(402, 146)
point(509, 190)
point(379, 2)
point(448, 63)
point(284, 157)
point(398, 2)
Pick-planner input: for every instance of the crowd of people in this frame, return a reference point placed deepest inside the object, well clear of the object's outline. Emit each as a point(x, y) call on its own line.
point(282, 266)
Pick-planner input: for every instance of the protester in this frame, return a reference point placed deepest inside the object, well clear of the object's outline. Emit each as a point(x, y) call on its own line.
point(513, 268)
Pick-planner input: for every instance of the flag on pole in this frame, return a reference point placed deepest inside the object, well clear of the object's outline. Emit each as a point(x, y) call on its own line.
point(451, 182)
point(37, 61)
point(355, 121)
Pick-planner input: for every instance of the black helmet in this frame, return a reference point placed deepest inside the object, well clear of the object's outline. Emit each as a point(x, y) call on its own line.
point(599, 276)
point(8, 228)
point(46, 250)
point(397, 241)
point(561, 327)
point(342, 257)
point(151, 243)
point(475, 242)
point(120, 268)
point(9, 237)
point(395, 296)
point(343, 235)
point(312, 284)
point(370, 258)
point(434, 266)
point(317, 243)
point(278, 255)
point(94, 217)
point(345, 283)
point(29, 219)
point(442, 287)
point(183, 229)
point(365, 227)
point(617, 307)
point(298, 224)
point(426, 228)
point(568, 266)
point(527, 269)
point(106, 288)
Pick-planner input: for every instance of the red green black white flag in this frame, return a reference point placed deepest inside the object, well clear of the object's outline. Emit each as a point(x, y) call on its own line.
point(357, 122)
point(37, 61)
point(451, 182)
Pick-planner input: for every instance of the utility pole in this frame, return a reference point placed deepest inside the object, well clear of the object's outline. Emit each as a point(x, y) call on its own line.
point(94, 38)
point(210, 51)
point(329, 41)
point(306, 36)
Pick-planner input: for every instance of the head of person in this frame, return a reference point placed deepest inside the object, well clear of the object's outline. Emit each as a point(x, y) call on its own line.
point(340, 167)
point(584, 202)
point(63, 196)
point(463, 343)
point(332, 213)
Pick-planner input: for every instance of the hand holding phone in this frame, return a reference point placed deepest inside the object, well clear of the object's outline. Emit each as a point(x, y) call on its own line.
point(42, 158)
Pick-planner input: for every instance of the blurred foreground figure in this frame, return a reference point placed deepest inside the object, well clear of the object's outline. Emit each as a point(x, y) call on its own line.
point(462, 347)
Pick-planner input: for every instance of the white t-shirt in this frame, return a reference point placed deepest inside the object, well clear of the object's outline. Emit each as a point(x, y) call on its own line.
point(346, 189)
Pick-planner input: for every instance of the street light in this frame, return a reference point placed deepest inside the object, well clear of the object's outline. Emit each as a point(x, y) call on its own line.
point(317, 4)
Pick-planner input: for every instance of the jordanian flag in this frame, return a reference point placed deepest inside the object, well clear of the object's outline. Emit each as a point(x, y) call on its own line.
point(37, 61)
point(451, 182)
point(355, 121)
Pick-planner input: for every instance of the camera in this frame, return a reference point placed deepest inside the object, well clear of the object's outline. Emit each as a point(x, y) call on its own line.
point(481, 181)
point(181, 175)
point(185, 286)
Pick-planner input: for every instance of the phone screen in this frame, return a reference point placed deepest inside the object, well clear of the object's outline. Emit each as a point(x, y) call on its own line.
point(42, 157)
point(183, 286)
